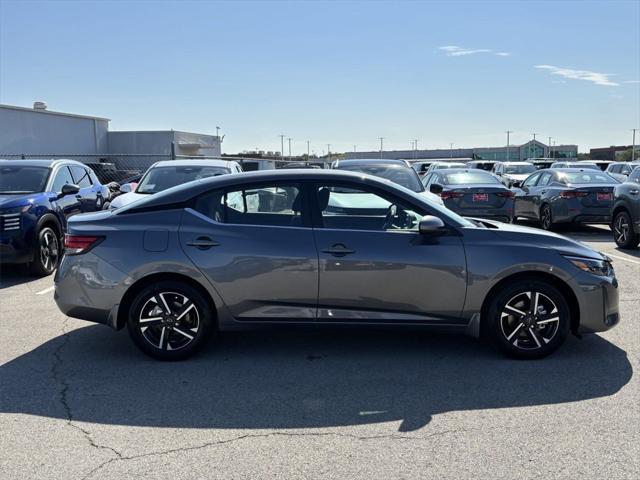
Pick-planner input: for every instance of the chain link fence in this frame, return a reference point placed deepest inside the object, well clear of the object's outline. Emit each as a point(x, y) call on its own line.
point(124, 168)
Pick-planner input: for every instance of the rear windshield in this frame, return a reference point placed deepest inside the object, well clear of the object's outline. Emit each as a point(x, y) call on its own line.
point(465, 178)
point(591, 166)
point(405, 176)
point(22, 179)
point(161, 178)
point(586, 177)
point(519, 169)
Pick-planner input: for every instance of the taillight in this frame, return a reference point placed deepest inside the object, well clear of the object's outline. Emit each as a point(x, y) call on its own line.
point(447, 195)
point(78, 244)
point(573, 194)
point(506, 193)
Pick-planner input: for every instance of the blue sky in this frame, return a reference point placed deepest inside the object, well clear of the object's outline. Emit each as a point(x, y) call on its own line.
point(343, 73)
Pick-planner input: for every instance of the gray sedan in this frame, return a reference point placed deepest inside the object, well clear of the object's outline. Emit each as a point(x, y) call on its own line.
point(268, 248)
point(566, 195)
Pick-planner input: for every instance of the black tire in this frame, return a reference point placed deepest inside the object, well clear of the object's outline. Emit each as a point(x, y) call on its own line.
point(47, 253)
point(622, 228)
point(165, 336)
point(546, 217)
point(534, 335)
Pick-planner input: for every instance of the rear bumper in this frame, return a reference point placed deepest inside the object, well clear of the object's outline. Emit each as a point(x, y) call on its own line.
point(88, 288)
point(572, 211)
point(598, 302)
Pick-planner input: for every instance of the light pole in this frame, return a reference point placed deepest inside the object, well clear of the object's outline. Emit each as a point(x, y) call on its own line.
point(307, 150)
point(381, 145)
point(534, 144)
point(354, 149)
point(451, 150)
point(415, 155)
point(329, 152)
point(219, 141)
point(508, 132)
point(549, 146)
point(633, 146)
point(281, 147)
point(289, 139)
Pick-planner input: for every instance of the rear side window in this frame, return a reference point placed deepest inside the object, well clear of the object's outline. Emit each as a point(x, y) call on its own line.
point(545, 179)
point(62, 178)
point(81, 176)
point(268, 205)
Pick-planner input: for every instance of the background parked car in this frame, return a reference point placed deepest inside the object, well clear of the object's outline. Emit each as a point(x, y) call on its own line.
point(482, 164)
point(421, 167)
point(512, 172)
point(190, 262)
point(620, 170)
point(566, 195)
point(169, 173)
point(626, 212)
point(472, 193)
point(581, 164)
point(36, 198)
point(444, 165)
point(541, 163)
point(394, 171)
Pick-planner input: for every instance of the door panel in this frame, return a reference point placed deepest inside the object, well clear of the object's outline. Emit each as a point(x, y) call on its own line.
point(392, 276)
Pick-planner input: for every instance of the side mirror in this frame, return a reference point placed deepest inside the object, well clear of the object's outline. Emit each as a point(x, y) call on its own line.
point(436, 188)
point(125, 188)
point(429, 225)
point(517, 184)
point(69, 189)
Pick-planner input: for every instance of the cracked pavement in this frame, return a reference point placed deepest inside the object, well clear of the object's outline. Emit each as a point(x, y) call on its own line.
point(78, 401)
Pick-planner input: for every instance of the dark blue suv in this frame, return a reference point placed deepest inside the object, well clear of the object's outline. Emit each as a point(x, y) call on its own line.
point(36, 198)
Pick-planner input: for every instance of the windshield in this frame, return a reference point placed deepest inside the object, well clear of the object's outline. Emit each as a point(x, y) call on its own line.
point(465, 178)
point(519, 169)
point(22, 179)
point(161, 178)
point(591, 166)
point(405, 176)
point(586, 177)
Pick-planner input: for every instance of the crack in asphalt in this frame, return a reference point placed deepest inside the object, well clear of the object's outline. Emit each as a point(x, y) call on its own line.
point(249, 436)
point(56, 375)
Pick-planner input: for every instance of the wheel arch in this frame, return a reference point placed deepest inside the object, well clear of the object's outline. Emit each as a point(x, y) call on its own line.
point(621, 206)
point(143, 282)
point(50, 220)
point(562, 286)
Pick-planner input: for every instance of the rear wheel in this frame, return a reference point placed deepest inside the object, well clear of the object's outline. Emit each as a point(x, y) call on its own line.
point(528, 319)
point(623, 233)
point(47, 252)
point(546, 217)
point(170, 320)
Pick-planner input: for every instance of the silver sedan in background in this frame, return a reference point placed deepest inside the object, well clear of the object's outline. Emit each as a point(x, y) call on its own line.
point(267, 248)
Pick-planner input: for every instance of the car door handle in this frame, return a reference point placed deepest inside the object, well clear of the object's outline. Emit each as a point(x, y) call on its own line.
point(338, 250)
point(203, 243)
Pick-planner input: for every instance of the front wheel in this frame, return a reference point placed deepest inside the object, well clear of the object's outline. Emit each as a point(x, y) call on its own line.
point(170, 320)
point(47, 253)
point(528, 319)
point(546, 217)
point(623, 233)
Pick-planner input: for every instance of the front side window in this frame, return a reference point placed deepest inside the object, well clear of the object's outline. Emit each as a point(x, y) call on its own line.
point(80, 176)
point(344, 207)
point(63, 177)
point(635, 175)
point(268, 205)
point(531, 181)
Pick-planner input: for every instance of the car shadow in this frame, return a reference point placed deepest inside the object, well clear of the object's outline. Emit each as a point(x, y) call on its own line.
point(11, 275)
point(298, 379)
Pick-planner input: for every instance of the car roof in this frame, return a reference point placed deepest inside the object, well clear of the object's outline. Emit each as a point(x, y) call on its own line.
point(40, 162)
point(186, 191)
point(369, 161)
point(193, 162)
point(449, 171)
point(516, 163)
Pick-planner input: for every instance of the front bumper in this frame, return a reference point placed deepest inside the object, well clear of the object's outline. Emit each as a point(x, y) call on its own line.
point(88, 288)
point(598, 302)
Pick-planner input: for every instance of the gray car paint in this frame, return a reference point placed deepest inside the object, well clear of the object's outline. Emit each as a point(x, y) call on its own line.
point(626, 196)
point(273, 274)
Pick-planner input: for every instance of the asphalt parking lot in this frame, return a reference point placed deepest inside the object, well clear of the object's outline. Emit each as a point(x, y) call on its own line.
point(78, 401)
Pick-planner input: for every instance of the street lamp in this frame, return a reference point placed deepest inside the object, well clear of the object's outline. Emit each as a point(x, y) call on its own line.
point(381, 145)
point(633, 146)
point(289, 139)
point(534, 145)
point(508, 132)
point(281, 148)
point(451, 150)
point(329, 152)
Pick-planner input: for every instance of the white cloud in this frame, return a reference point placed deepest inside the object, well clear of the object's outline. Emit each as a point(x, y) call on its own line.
point(455, 51)
point(595, 77)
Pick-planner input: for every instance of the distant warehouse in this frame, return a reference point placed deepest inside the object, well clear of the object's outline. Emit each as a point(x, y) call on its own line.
point(532, 149)
point(39, 132)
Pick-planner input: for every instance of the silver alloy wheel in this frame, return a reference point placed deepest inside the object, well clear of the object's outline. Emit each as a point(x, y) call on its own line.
point(49, 250)
point(546, 217)
point(169, 321)
point(529, 320)
point(621, 229)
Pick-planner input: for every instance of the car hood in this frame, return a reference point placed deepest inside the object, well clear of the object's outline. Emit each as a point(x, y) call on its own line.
point(126, 199)
point(541, 238)
point(17, 200)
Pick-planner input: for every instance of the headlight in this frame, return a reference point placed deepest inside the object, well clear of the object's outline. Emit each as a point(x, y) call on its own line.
point(602, 268)
point(9, 211)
